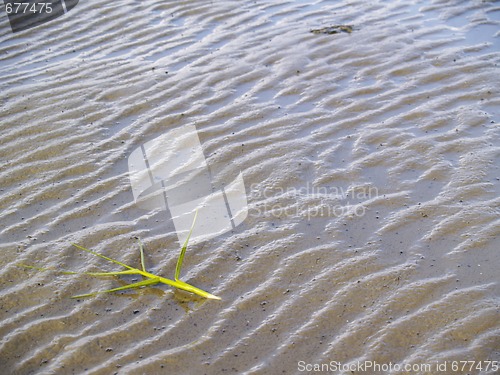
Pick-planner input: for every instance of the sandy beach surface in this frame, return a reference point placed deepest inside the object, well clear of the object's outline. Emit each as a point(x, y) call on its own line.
point(371, 161)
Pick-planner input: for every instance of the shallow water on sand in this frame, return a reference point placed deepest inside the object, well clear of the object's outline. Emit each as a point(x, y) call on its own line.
point(371, 162)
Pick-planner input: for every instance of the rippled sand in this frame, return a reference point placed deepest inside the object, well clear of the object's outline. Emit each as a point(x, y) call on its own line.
point(392, 259)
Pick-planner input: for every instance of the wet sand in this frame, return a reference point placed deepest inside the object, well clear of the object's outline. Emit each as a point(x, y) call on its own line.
point(371, 162)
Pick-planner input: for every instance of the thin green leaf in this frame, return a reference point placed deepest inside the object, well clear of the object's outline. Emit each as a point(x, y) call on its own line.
point(46, 269)
point(125, 287)
point(141, 249)
point(190, 288)
point(178, 266)
point(103, 257)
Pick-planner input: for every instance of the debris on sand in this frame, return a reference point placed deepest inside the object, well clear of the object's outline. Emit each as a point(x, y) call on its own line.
point(336, 29)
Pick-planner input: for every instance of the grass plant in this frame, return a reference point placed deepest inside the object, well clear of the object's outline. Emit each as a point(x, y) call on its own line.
point(150, 278)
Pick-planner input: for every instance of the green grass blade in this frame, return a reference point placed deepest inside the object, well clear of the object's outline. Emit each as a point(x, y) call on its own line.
point(46, 269)
point(178, 266)
point(190, 288)
point(141, 249)
point(179, 284)
point(116, 273)
point(125, 287)
point(103, 257)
